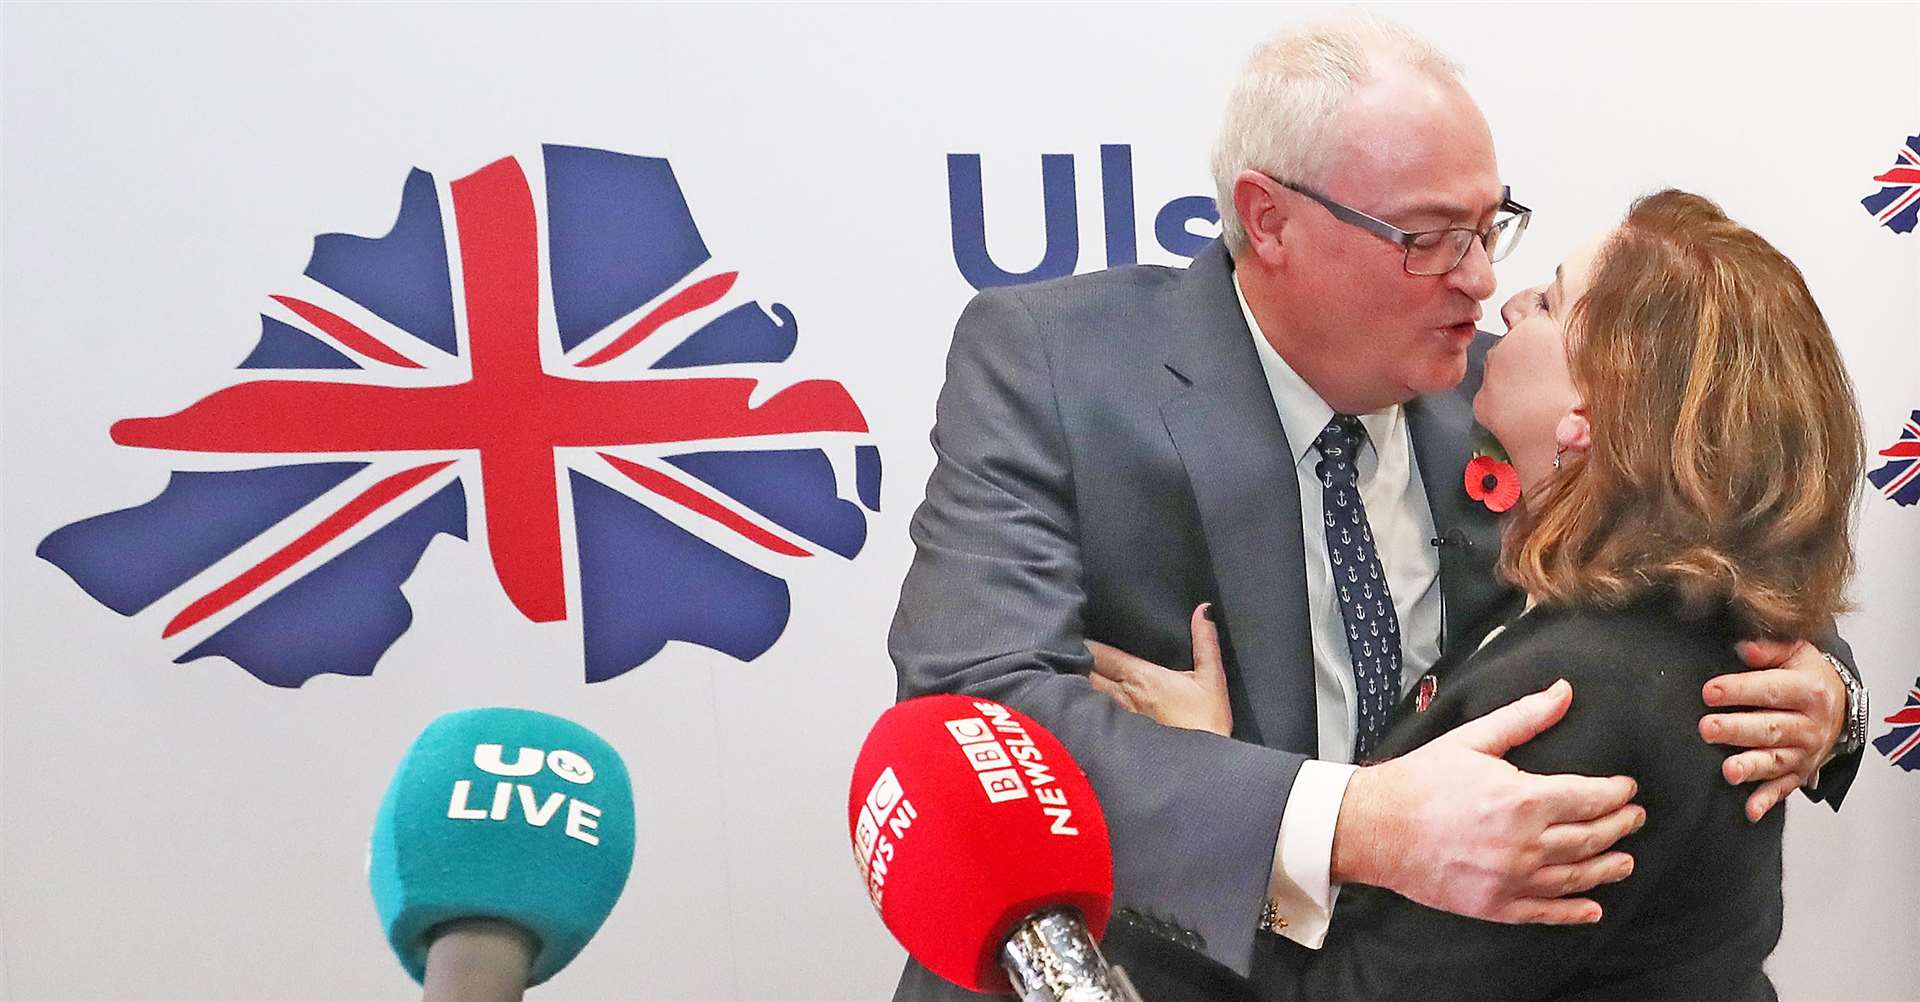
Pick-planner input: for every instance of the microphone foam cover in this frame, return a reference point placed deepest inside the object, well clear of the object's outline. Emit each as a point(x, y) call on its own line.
point(966, 818)
point(505, 814)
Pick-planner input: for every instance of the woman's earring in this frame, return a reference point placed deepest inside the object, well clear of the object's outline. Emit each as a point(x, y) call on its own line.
point(1556, 458)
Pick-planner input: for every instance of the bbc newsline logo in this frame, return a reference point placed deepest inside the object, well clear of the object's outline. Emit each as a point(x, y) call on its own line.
point(1009, 765)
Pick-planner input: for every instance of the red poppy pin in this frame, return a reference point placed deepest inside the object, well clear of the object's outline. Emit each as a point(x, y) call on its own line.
point(1492, 482)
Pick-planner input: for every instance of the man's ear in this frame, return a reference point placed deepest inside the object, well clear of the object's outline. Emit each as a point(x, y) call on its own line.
point(1263, 214)
point(1573, 433)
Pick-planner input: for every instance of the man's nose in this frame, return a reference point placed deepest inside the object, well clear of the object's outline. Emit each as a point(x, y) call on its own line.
point(1474, 275)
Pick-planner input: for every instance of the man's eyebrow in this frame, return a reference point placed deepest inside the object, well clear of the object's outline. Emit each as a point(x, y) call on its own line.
point(1442, 209)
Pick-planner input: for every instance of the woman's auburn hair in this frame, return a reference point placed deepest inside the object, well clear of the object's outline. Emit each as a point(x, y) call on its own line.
point(1726, 446)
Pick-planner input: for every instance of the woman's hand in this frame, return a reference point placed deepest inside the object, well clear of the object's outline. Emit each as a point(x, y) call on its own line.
point(1196, 700)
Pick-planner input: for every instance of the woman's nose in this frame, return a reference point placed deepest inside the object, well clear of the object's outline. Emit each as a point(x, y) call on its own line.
point(1514, 310)
point(1510, 312)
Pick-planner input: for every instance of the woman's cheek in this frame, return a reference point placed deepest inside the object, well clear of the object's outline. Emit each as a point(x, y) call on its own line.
point(1484, 406)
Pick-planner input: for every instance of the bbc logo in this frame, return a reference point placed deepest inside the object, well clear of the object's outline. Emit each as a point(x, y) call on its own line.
point(995, 767)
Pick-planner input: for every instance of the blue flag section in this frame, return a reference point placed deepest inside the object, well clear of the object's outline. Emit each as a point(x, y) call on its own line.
point(1899, 478)
point(1901, 745)
point(379, 359)
point(1897, 205)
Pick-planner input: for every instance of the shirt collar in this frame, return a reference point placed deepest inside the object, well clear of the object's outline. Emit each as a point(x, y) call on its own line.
point(1303, 414)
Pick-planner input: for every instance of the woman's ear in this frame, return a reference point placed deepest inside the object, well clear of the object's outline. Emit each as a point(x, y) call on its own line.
point(1573, 433)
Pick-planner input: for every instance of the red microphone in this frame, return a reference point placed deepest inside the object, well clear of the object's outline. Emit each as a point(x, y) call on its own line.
point(984, 850)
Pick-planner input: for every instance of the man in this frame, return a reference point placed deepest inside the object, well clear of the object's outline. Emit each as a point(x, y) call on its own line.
point(1116, 449)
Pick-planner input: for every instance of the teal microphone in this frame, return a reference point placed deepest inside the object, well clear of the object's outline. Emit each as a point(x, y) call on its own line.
point(502, 843)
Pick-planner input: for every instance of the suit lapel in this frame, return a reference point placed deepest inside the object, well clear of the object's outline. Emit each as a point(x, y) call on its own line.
point(1238, 463)
point(1442, 429)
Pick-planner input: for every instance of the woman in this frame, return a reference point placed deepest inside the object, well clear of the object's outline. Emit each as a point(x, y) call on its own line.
point(1687, 447)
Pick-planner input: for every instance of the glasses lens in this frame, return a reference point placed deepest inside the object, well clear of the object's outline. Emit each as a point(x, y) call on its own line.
point(1437, 252)
point(1505, 235)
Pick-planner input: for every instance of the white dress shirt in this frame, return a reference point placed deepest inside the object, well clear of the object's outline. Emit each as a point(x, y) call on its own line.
point(1402, 523)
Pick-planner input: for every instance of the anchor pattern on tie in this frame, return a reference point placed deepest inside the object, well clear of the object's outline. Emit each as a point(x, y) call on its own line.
point(1366, 605)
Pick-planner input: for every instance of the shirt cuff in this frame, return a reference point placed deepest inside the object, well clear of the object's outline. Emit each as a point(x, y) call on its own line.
point(1300, 892)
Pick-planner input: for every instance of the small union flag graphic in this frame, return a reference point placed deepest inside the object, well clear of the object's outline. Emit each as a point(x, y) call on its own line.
point(548, 362)
point(1901, 745)
point(1899, 479)
point(1897, 206)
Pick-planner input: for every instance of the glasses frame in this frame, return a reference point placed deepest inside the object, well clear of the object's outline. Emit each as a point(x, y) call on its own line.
point(1519, 215)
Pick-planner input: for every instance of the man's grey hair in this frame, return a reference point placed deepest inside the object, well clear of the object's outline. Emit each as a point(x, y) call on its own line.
point(1285, 113)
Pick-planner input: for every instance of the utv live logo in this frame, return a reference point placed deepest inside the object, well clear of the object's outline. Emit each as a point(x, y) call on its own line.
point(1174, 222)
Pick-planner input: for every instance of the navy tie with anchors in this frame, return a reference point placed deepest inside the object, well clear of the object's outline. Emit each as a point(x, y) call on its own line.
point(1373, 629)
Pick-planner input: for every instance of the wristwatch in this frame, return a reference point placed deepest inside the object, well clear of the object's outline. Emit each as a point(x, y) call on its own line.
point(1853, 736)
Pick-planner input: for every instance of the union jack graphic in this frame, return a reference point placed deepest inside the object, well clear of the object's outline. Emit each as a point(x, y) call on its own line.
point(1899, 479)
point(520, 353)
point(1901, 745)
point(1897, 206)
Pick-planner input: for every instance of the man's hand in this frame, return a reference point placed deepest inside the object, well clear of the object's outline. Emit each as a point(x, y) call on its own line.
point(1196, 700)
point(1453, 826)
point(1800, 710)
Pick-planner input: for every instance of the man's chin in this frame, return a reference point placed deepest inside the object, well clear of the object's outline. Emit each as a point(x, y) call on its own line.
point(1441, 375)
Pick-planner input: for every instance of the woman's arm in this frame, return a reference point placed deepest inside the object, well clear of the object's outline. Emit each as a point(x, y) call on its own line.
point(1196, 700)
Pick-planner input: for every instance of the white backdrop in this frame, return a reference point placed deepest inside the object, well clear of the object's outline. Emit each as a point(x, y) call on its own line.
point(186, 832)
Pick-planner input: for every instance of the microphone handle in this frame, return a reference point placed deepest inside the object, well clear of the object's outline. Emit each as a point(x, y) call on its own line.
point(1050, 958)
point(479, 960)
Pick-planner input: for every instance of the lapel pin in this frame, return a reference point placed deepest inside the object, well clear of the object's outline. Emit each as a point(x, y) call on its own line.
point(1429, 686)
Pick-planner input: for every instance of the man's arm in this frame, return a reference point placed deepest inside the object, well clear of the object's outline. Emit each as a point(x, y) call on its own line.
point(1384, 948)
point(1790, 712)
point(993, 606)
point(1450, 844)
point(1456, 826)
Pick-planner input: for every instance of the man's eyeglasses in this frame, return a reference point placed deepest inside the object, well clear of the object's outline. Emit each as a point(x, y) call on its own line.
point(1435, 252)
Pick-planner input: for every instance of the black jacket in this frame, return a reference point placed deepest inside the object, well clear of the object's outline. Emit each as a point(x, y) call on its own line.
point(1702, 908)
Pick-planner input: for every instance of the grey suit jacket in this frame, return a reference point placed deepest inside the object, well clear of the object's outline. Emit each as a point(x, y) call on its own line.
point(1108, 457)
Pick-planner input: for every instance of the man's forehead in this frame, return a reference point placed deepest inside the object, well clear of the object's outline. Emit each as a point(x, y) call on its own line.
point(1482, 201)
point(1429, 156)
